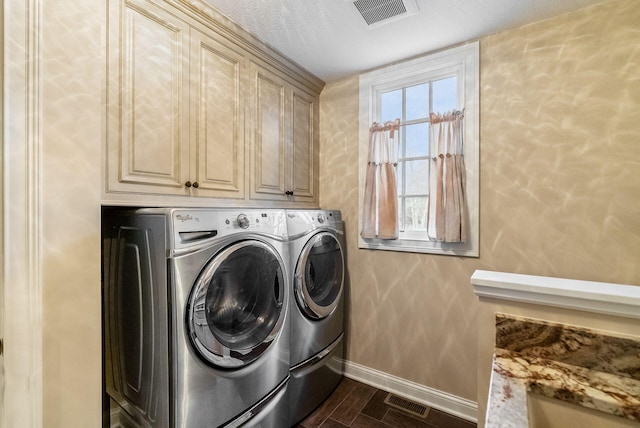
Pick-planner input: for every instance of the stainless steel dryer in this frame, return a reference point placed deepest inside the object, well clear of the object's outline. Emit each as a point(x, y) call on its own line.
point(316, 242)
point(195, 317)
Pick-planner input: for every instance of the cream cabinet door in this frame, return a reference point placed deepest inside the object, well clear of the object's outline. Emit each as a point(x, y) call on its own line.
point(304, 147)
point(284, 150)
point(270, 129)
point(148, 119)
point(217, 118)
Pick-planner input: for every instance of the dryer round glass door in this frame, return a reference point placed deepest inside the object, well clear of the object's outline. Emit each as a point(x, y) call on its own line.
point(320, 276)
point(236, 306)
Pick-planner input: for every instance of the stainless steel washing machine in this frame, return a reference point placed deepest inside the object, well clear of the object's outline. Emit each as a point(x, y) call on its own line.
point(316, 243)
point(196, 317)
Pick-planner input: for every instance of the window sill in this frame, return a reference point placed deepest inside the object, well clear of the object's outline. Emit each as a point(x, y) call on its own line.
point(462, 249)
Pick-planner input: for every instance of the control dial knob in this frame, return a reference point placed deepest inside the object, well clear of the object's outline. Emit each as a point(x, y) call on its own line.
point(321, 218)
point(243, 221)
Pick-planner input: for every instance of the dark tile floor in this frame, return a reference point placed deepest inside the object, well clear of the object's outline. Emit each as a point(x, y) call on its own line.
point(354, 404)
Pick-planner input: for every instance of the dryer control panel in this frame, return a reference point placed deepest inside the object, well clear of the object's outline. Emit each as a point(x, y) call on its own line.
point(303, 221)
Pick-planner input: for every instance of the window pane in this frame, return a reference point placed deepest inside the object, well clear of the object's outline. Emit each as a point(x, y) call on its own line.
point(445, 95)
point(415, 216)
point(417, 177)
point(417, 102)
point(400, 216)
point(399, 172)
point(417, 140)
point(391, 105)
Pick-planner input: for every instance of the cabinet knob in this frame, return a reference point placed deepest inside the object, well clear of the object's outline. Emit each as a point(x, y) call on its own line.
point(187, 184)
point(289, 193)
point(195, 185)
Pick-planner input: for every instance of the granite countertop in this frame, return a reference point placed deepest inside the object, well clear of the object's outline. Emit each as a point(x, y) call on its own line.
point(571, 364)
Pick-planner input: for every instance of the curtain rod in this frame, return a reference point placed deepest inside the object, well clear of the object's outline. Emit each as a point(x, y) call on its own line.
point(440, 117)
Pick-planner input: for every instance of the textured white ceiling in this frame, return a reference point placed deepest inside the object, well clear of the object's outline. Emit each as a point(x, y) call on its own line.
point(331, 39)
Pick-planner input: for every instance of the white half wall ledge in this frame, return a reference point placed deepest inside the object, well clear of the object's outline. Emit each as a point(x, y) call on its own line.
point(589, 296)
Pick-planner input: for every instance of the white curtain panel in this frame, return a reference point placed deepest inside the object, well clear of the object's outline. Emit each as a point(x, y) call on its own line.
point(380, 207)
point(446, 212)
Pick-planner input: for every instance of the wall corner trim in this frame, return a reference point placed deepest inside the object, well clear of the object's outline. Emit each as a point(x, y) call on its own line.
point(449, 403)
point(600, 297)
point(23, 400)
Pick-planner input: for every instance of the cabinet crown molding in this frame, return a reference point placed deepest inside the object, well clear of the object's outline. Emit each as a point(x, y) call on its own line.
point(212, 18)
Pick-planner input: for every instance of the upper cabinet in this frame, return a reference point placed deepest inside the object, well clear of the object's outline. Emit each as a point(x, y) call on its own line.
point(304, 145)
point(217, 118)
point(176, 113)
point(198, 109)
point(284, 127)
point(148, 88)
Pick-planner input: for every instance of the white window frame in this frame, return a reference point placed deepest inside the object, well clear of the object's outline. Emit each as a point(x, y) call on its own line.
point(464, 62)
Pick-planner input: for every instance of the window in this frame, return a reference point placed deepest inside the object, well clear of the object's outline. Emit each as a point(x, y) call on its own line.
point(410, 91)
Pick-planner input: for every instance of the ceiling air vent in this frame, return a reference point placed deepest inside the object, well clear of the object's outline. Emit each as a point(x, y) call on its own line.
point(377, 11)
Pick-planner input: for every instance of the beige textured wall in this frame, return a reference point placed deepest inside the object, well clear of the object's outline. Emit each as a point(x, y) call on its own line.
point(566, 94)
point(559, 195)
point(72, 136)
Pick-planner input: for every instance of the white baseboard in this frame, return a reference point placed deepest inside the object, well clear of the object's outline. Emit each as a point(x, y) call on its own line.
point(448, 403)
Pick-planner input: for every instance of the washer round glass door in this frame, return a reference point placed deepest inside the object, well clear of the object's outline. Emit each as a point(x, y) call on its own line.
point(320, 276)
point(236, 306)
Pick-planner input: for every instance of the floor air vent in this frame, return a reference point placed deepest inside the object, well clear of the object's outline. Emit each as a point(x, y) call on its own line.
point(375, 11)
point(416, 409)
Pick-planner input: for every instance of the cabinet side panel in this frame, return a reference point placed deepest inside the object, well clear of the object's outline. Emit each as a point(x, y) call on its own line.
point(135, 316)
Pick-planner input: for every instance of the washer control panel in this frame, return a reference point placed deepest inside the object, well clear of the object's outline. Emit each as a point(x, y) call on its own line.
point(243, 221)
point(191, 225)
point(263, 221)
